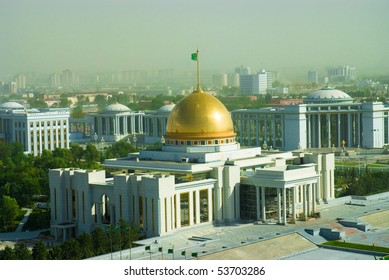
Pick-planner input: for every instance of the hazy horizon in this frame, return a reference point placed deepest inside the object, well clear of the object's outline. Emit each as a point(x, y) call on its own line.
point(115, 35)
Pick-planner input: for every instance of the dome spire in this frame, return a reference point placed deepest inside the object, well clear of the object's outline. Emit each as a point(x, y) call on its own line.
point(195, 57)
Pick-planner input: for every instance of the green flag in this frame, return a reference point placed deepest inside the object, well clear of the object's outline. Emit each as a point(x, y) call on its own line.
point(194, 254)
point(183, 253)
point(194, 56)
point(147, 248)
point(160, 249)
point(170, 251)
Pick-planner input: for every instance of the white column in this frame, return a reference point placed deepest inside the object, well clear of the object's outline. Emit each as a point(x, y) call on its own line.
point(313, 185)
point(45, 136)
point(294, 189)
point(191, 210)
point(263, 204)
point(304, 200)
point(248, 130)
point(329, 129)
point(309, 199)
point(313, 130)
point(309, 133)
point(284, 206)
point(172, 217)
point(258, 143)
point(41, 139)
point(279, 205)
point(339, 135)
point(258, 202)
point(319, 131)
point(197, 214)
point(210, 205)
point(178, 211)
point(359, 129)
point(349, 144)
point(34, 140)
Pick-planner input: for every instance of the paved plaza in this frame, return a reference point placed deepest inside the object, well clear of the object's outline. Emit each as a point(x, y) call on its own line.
point(271, 241)
point(261, 241)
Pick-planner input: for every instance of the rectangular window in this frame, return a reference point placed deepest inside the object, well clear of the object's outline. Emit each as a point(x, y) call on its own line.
point(140, 208)
point(120, 206)
point(204, 206)
point(194, 207)
point(184, 208)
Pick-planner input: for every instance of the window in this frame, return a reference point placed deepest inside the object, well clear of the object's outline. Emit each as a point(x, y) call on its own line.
point(184, 207)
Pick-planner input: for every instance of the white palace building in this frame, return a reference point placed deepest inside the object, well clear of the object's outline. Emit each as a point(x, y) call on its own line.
point(35, 129)
point(328, 118)
point(201, 175)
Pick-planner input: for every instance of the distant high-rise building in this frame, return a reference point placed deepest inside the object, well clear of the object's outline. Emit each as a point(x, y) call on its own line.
point(20, 81)
point(255, 83)
point(68, 78)
point(313, 77)
point(269, 78)
point(219, 80)
point(55, 80)
point(13, 87)
point(243, 70)
point(233, 79)
point(342, 74)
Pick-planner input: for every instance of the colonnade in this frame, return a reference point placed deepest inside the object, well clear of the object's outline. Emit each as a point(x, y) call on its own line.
point(158, 216)
point(117, 124)
point(291, 202)
point(336, 128)
point(257, 127)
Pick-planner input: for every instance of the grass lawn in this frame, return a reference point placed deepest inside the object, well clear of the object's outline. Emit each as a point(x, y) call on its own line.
point(357, 246)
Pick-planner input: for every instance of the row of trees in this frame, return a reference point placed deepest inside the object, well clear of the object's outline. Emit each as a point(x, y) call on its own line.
point(24, 176)
point(367, 182)
point(100, 241)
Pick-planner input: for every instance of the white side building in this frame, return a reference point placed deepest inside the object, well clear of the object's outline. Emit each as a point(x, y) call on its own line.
point(35, 129)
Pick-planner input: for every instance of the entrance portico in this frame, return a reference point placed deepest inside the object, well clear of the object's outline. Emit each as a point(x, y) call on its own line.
point(283, 192)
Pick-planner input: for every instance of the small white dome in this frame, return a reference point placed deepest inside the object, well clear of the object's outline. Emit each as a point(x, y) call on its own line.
point(327, 95)
point(11, 105)
point(115, 108)
point(166, 108)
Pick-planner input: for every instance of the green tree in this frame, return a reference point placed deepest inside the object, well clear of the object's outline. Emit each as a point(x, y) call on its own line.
point(77, 152)
point(56, 253)
point(9, 209)
point(7, 254)
point(39, 251)
point(86, 244)
point(22, 252)
point(64, 102)
point(77, 112)
point(71, 249)
point(120, 149)
point(100, 241)
point(91, 153)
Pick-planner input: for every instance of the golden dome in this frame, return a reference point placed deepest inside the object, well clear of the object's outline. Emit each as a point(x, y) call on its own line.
point(199, 116)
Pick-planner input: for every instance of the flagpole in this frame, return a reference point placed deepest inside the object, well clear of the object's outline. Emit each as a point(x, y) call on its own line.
point(198, 71)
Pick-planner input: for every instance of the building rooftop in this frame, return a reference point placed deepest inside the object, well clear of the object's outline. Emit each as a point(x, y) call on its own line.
point(327, 95)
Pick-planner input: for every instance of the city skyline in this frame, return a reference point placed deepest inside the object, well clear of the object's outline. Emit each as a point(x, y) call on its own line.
point(49, 36)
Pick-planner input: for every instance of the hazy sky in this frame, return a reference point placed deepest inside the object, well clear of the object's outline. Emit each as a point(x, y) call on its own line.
point(99, 35)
